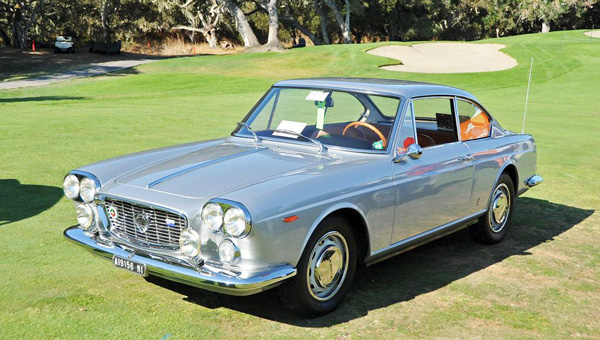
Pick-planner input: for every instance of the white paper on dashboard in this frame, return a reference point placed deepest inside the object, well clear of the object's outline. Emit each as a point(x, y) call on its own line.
point(318, 96)
point(297, 127)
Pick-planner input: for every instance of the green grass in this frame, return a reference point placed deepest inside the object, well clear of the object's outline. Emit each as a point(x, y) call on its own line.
point(541, 282)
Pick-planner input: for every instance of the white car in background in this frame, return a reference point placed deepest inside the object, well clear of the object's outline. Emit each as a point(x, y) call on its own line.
point(64, 44)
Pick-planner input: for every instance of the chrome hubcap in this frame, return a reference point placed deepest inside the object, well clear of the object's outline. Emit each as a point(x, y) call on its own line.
point(500, 207)
point(327, 266)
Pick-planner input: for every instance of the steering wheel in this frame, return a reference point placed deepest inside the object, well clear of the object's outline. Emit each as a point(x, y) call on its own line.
point(370, 127)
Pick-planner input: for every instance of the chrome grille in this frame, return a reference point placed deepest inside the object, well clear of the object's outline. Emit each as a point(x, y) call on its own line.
point(157, 234)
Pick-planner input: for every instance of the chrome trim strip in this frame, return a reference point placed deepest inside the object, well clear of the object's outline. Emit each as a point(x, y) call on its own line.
point(87, 174)
point(226, 204)
point(422, 238)
point(101, 201)
point(534, 180)
point(205, 276)
point(197, 166)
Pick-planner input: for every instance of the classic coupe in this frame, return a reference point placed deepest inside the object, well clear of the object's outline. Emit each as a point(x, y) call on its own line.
point(321, 176)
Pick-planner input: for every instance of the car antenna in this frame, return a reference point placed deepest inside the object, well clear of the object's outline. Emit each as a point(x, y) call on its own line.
point(527, 97)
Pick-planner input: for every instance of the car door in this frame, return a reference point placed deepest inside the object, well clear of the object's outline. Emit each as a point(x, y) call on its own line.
point(434, 189)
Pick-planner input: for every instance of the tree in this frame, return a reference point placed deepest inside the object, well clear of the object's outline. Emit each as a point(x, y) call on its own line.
point(241, 23)
point(343, 21)
point(271, 7)
point(293, 11)
point(202, 16)
point(547, 11)
point(18, 17)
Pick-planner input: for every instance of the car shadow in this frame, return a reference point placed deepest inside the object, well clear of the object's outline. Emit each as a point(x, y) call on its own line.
point(416, 272)
point(38, 99)
point(20, 201)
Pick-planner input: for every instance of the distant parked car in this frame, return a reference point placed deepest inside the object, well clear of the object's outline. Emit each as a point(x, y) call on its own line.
point(322, 175)
point(64, 44)
point(107, 48)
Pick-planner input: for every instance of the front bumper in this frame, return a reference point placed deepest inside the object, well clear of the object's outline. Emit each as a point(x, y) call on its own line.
point(206, 277)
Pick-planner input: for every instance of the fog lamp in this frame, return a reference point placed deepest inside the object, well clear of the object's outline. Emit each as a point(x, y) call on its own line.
point(189, 242)
point(85, 215)
point(228, 252)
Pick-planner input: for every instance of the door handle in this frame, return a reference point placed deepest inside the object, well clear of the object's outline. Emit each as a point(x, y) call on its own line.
point(468, 157)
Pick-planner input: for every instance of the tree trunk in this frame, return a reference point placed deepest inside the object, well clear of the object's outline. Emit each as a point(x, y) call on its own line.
point(31, 21)
point(5, 38)
point(296, 24)
point(211, 37)
point(106, 16)
point(208, 34)
point(545, 26)
point(18, 35)
point(273, 40)
point(323, 22)
point(344, 23)
point(242, 25)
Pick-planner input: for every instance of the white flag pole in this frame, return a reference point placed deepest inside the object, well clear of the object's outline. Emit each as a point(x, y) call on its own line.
point(527, 97)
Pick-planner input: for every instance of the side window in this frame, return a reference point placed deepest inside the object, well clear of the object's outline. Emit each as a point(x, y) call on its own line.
point(435, 121)
point(474, 123)
point(407, 130)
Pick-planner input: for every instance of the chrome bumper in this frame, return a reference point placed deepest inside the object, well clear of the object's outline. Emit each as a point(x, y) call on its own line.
point(534, 180)
point(205, 277)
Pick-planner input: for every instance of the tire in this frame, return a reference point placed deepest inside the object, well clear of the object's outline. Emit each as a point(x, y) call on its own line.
point(494, 224)
point(312, 293)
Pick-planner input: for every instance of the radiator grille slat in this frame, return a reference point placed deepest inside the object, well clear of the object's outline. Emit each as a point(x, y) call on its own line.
point(158, 235)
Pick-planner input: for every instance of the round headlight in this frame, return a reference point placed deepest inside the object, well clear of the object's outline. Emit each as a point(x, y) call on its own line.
point(87, 189)
point(189, 242)
point(85, 215)
point(212, 216)
point(228, 252)
point(235, 222)
point(71, 186)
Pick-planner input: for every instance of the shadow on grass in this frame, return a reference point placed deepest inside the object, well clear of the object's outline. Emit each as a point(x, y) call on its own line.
point(413, 273)
point(38, 99)
point(20, 201)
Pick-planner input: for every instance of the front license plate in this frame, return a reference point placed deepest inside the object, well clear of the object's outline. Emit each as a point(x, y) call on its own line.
point(134, 267)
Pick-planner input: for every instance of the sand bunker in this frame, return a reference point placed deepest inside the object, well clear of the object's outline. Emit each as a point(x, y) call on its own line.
point(446, 57)
point(593, 34)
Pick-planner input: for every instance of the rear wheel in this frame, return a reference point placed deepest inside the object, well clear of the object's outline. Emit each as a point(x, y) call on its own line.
point(325, 270)
point(493, 225)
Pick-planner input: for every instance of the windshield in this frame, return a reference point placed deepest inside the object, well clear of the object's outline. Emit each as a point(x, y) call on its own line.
point(344, 119)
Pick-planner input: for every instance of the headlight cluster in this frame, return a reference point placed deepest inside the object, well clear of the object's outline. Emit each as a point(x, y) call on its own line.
point(231, 218)
point(75, 187)
point(226, 218)
point(85, 188)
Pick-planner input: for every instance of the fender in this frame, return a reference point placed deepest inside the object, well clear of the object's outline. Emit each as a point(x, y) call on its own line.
point(330, 210)
point(502, 168)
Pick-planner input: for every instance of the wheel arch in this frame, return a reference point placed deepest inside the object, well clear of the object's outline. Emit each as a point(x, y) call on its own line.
point(508, 168)
point(357, 221)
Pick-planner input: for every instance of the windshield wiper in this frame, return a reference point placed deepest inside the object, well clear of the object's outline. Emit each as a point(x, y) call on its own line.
point(256, 138)
point(315, 141)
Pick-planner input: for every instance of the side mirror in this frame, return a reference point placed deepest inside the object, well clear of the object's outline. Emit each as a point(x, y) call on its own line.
point(413, 150)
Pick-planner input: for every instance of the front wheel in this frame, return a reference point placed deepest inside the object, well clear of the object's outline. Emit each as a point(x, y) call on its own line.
point(493, 225)
point(325, 270)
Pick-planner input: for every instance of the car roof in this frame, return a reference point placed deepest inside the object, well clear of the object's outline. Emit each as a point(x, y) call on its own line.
point(396, 87)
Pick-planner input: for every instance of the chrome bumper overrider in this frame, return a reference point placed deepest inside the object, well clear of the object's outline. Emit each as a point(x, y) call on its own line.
point(205, 277)
point(534, 180)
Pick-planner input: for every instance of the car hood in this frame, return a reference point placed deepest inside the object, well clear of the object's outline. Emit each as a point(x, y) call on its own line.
point(216, 170)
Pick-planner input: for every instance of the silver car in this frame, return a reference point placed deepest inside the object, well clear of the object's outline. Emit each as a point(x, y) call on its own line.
point(321, 176)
